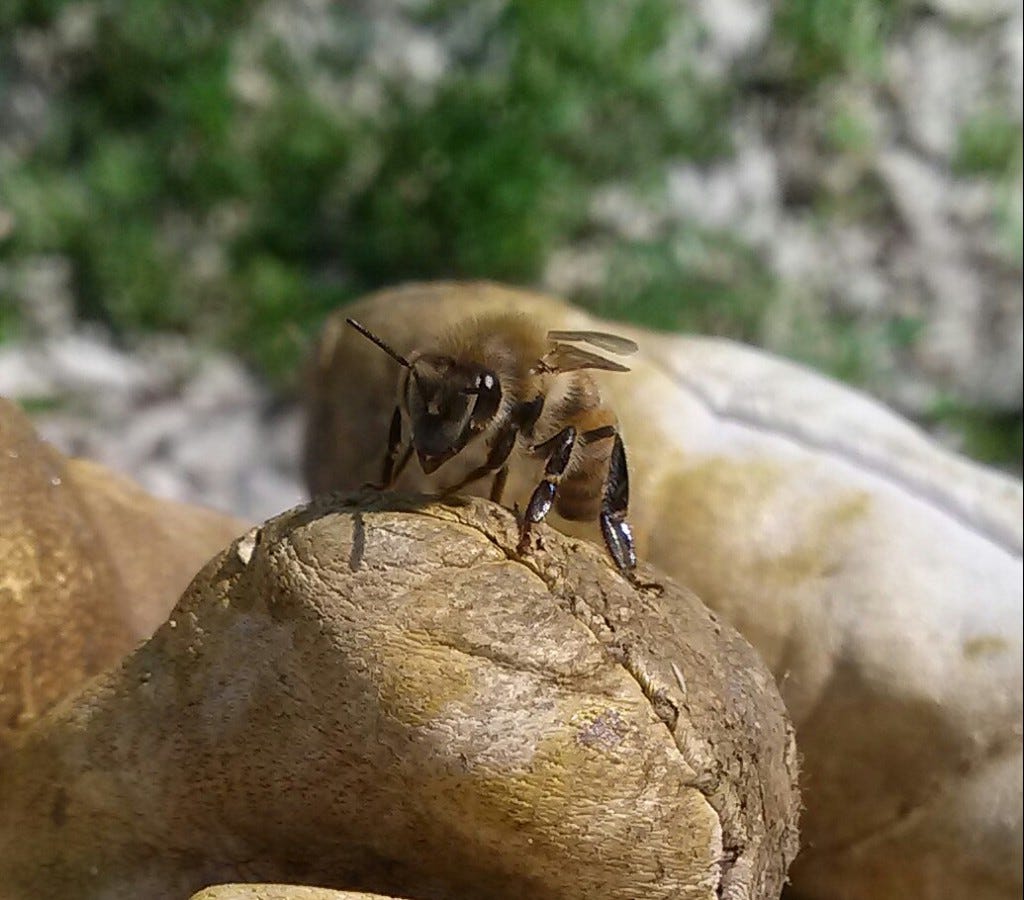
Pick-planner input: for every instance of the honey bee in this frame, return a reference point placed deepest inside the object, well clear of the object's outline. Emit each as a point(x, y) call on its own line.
point(501, 380)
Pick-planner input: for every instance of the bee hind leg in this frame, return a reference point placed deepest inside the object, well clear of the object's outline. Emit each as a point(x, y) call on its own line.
point(558, 450)
point(617, 534)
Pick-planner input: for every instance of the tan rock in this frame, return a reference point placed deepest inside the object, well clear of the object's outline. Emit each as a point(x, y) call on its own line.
point(387, 700)
point(90, 565)
point(279, 892)
point(62, 615)
point(879, 575)
point(155, 545)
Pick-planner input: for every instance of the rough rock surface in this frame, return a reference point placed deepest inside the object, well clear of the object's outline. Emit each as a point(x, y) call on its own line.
point(279, 892)
point(879, 576)
point(53, 575)
point(90, 566)
point(155, 545)
point(379, 695)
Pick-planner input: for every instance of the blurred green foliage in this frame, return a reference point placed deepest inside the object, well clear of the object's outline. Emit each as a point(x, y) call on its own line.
point(990, 142)
point(240, 214)
point(847, 132)
point(8, 323)
point(838, 37)
point(725, 286)
point(990, 436)
point(150, 143)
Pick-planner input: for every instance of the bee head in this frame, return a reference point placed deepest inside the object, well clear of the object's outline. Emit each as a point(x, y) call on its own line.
point(448, 405)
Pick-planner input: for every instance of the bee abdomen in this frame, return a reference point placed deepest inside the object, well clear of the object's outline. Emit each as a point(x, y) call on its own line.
point(581, 490)
point(579, 495)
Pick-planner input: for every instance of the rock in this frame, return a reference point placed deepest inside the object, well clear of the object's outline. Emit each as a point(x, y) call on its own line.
point(1011, 51)
point(732, 30)
point(156, 546)
point(974, 13)
point(936, 75)
point(63, 617)
point(91, 565)
point(878, 575)
point(973, 341)
point(741, 195)
point(42, 285)
point(185, 425)
point(379, 695)
point(279, 892)
point(86, 363)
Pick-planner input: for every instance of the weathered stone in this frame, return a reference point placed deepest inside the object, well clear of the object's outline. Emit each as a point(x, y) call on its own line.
point(378, 695)
point(63, 616)
point(155, 545)
point(279, 892)
point(879, 576)
point(91, 565)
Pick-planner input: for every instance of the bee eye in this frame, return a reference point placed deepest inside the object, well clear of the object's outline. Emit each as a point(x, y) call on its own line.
point(483, 384)
point(488, 397)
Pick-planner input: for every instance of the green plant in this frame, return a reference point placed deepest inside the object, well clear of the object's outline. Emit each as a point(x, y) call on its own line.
point(149, 146)
point(991, 436)
point(825, 38)
point(696, 281)
point(989, 143)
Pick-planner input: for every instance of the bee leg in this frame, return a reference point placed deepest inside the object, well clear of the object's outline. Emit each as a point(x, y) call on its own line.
point(497, 455)
point(617, 534)
point(558, 449)
point(616, 531)
point(498, 485)
point(395, 459)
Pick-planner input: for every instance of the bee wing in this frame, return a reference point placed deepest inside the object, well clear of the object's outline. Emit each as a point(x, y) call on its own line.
point(613, 343)
point(566, 358)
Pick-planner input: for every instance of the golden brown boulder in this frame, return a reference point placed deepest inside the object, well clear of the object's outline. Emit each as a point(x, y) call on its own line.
point(386, 699)
point(62, 614)
point(879, 576)
point(90, 565)
point(279, 892)
point(155, 545)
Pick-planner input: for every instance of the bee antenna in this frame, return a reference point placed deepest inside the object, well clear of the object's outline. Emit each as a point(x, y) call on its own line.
point(369, 335)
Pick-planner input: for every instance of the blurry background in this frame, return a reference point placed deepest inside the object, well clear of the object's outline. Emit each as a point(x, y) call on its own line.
point(187, 186)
